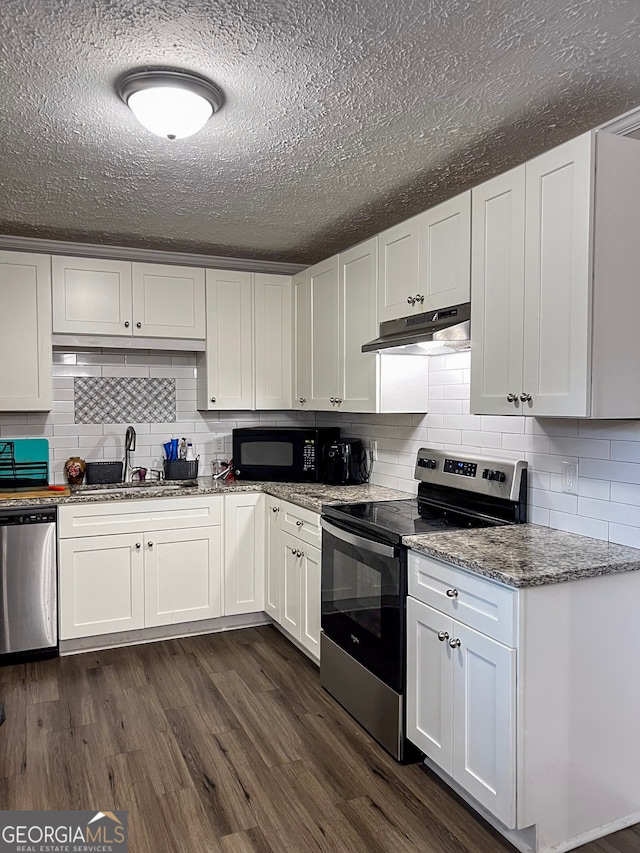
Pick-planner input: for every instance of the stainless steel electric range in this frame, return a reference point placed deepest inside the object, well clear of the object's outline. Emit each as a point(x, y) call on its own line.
point(364, 578)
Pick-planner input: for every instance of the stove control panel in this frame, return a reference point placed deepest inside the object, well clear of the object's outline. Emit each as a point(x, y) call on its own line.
point(484, 475)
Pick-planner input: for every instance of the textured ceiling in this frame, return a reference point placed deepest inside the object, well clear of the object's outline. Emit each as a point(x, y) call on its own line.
point(341, 118)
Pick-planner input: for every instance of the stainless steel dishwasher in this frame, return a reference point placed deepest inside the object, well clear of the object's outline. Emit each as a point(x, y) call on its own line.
point(28, 584)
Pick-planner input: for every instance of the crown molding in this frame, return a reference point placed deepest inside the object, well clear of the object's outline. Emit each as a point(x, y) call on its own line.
point(150, 256)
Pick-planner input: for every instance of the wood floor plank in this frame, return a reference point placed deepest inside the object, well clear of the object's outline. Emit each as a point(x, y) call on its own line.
point(249, 841)
point(42, 681)
point(13, 733)
point(223, 798)
point(76, 700)
point(46, 765)
point(111, 708)
point(190, 827)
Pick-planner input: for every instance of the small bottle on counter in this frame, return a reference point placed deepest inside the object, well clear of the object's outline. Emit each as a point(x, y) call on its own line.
point(190, 452)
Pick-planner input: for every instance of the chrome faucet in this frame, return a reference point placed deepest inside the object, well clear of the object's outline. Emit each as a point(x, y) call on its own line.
point(129, 446)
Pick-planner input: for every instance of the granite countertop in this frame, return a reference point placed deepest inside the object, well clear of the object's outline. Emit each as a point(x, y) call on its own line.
point(524, 555)
point(309, 495)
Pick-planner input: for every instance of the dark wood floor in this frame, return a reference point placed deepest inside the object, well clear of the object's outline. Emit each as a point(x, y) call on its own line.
point(223, 743)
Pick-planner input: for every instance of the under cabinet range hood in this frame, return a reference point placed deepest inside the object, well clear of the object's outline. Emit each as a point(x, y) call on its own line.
point(431, 333)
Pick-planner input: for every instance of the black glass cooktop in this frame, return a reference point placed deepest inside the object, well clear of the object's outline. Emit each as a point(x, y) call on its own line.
point(395, 519)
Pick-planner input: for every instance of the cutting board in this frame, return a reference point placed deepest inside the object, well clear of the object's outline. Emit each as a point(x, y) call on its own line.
point(27, 493)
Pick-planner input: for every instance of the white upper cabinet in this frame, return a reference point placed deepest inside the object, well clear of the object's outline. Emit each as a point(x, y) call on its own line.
point(398, 270)
point(323, 279)
point(225, 369)
point(104, 297)
point(444, 262)
point(25, 332)
point(92, 296)
point(168, 301)
point(424, 263)
point(357, 323)
point(554, 301)
point(272, 323)
point(301, 341)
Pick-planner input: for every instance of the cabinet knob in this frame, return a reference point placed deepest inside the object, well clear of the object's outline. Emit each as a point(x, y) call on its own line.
point(454, 643)
point(150, 544)
point(338, 400)
point(137, 546)
point(411, 300)
point(126, 324)
point(452, 593)
point(332, 400)
point(299, 554)
point(213, 399)
point(511, 398)
point(293, 551)
point(299, 523)
point(274, 509)
point(138, 325)
point(526, 398)
point(419, 298)
point(303, 400)
point(443, 635)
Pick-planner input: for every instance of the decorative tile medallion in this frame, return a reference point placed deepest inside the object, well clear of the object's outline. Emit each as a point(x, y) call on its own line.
point(116, 400)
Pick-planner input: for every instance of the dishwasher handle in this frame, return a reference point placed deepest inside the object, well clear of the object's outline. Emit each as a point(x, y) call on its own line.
point(359, 541)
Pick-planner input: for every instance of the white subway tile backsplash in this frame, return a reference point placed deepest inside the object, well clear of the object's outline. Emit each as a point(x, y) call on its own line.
point(552, 426)
point(447, 407)
point(581, 525)
point(538, 515)
point(625, 451)
point(621, 472)
point(446, 436)
point(554, 500)
point(502, 423)
point(477, 438)
point(613, 430)
point(627, 493)
point(600, 489)
point(456, 392)
point(610, 511)
point(621, 534)
point(445, 377)
point(592, 448)
point(525, 443)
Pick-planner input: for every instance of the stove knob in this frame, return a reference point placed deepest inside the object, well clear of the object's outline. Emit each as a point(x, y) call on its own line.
point(422, 463)
point(486, 474)
point(431, 463)
point(499, 476)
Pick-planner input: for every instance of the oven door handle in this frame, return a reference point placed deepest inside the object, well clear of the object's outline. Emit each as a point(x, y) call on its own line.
point(359, 541)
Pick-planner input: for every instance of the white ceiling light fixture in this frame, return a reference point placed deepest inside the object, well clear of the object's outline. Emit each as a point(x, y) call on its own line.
point(170, 103)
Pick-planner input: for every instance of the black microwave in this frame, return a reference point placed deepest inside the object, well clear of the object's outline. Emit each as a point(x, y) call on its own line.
point(281, 453)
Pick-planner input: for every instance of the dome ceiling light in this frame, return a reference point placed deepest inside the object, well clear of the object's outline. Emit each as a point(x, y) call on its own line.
point(171, 103)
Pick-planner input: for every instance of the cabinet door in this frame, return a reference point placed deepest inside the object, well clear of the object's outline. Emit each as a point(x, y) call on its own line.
point(244, 553)
point(497, 274)
point(225, 371)
point(101, 585)
point(445, 253)
point(398, 249)
point(324, 334)
point(310, 599)
point(25, 332)
point(273, 567)
point(92, 296)
point(302, 341)
point(273, 345)
point(168, 301)
point(557, 328)
point(358, 291)
point(183, 575)
point(430, 683)
point(484, 702)
point(291, 616)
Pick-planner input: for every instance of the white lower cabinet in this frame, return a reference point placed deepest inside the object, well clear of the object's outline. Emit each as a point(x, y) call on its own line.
point(292, 578)
point(142, 564)
point(461, 705)
point(244, 547)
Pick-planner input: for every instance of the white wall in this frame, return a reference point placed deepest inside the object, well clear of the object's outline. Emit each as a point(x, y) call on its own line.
point(95, 442)
point(607, 505)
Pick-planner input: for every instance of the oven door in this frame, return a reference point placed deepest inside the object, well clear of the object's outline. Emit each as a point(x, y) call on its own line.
point(364, 599)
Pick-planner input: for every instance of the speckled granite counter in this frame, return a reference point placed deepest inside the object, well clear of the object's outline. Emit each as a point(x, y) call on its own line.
point(523, 555)
point(309, 495)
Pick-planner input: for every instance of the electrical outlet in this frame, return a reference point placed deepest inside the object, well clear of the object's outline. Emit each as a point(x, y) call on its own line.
point(373, 449)
point(570, 478)
point(218, 444)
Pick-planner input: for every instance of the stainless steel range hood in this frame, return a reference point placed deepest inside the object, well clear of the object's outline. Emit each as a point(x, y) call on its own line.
point(431, 333)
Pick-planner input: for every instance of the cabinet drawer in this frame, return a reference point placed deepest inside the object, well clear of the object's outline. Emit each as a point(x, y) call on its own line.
point(98, 519)
point(488, 607)
point(302, 523)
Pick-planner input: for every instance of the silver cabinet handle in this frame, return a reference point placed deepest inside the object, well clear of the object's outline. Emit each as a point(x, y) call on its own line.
point(512, 398)
point(137, 546)
point(150, 544)
point(126, 324)
point(526, 398)
point(443, 635)
point(454, 644)
point(299, 523)
point(452, 593)
point(302, 400)
point(213, 399)
point(138, 325)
